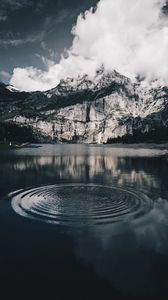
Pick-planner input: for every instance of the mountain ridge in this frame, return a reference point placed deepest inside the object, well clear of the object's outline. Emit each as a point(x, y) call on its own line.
point(85, 110)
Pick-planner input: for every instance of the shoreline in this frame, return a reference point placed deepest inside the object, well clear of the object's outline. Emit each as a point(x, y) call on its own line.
point(160, 146)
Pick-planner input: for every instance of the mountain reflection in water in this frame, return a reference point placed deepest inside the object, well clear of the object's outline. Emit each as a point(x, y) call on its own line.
point(114, 234)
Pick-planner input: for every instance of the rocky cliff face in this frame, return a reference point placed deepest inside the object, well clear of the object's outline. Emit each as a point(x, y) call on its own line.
point(84, 110)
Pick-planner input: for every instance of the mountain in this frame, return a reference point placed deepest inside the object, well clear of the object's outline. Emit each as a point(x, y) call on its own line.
point(106, 109)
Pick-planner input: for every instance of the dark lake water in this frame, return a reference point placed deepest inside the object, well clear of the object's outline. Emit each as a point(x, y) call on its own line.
point(84, 222)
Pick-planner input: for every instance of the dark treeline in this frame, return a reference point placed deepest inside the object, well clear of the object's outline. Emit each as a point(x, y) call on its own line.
point(14, 133)
point(157, 135)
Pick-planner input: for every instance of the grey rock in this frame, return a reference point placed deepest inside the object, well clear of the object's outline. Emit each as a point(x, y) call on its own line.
point(87, 111)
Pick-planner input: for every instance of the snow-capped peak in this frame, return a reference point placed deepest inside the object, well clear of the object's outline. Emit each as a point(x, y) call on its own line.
point(11, 88)
point(101, 79)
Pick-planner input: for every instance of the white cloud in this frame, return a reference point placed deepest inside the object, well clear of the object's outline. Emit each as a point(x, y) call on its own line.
point(15, 42)
point(4, 76)
point(127, 35)
point(3, 18)
point(15, 4)
point(31, 79)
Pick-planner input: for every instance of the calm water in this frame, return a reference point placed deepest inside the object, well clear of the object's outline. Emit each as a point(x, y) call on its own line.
point(84, 222)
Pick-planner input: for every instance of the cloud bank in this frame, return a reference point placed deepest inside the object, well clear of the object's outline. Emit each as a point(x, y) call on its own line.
point(126, 35)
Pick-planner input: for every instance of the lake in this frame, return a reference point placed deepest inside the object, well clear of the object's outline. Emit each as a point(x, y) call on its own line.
point(84, 222)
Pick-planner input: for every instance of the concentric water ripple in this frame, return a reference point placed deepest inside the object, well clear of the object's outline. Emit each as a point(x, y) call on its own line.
point(79, 204)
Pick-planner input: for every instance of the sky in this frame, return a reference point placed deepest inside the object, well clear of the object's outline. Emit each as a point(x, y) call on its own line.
point(31, 30)
point(43, 41)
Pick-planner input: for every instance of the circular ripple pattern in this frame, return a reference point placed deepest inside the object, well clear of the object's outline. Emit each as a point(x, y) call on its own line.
point(79, 204)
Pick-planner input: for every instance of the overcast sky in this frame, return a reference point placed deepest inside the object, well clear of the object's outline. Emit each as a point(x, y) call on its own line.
point(42, 41)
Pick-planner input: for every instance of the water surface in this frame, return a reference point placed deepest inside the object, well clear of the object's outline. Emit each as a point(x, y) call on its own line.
point(84, 221)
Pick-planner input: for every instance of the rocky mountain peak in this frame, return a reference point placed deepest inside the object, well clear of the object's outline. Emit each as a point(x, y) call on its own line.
point(102, 79)
point(84, 109)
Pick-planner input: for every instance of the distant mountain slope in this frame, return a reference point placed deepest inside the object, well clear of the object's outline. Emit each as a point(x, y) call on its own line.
point(100, 110)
